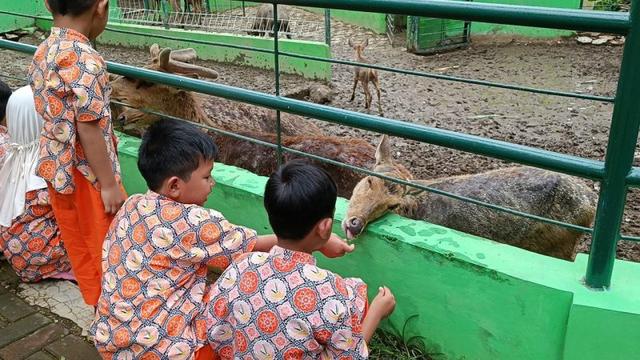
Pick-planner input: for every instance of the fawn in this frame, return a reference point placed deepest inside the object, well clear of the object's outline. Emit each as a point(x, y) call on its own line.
point(365, 75)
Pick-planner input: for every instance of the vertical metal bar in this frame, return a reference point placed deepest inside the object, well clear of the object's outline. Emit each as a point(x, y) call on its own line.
point(327, 26)
point(165, 14)
point(146, 4)
point(276, 67)
point(208, 3)
point(622, 141)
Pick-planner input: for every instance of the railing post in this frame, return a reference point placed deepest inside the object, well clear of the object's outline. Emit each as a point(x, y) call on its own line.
point(623, 136)
point(276, 68)
point(327, 26)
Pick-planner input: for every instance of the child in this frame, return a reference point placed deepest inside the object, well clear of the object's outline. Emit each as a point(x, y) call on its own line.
point(5, 92)
point(78, 158)
point(156, 252)
point(29, 236)
point(280, 304)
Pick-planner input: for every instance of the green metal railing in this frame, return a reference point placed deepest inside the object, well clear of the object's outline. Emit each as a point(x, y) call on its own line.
point(615, 174)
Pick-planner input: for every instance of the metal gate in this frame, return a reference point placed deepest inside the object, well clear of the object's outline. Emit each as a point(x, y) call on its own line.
point(430, 35)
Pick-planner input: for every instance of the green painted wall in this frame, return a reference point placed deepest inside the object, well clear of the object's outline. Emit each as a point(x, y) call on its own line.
point(469, 298)
point(307, 68)
point(371, 21)
point(10, 22)
point(478, 28)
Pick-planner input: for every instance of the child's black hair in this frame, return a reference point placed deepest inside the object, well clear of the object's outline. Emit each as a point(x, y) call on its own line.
point(173, 148)
point(297, 196)
point(5, 93)
point(70, 7)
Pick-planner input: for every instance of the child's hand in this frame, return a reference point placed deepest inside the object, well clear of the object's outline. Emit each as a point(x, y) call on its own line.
point(336, 247)
point(112, 198)
point(384, 303)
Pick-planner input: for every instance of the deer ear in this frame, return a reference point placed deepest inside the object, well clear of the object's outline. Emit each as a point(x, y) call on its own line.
point(164, 58)
point(383, 152)
point(154, 50)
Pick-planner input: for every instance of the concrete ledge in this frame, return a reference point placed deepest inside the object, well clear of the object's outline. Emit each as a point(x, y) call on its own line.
point(469, 298)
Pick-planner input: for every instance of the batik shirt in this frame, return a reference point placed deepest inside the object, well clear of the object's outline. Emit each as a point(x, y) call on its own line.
point(70, 83)
point(32, 243)
point(4, 143)
point(279, 305)
point(154, 267)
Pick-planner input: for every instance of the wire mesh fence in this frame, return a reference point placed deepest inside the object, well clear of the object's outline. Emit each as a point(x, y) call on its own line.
point(231, 17)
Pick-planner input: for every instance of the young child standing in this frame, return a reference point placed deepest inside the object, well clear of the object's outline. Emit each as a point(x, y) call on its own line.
point(280, 305)
point(156, 253)
point(29, 236)
point(78, 158)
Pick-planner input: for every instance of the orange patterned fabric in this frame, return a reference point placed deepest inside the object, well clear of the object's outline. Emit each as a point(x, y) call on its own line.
point(32, 243)
point(70, 83)
point(280, 305)
point(154, 264)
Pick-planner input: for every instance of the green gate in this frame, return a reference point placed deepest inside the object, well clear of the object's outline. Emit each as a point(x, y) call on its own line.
point(427, 35)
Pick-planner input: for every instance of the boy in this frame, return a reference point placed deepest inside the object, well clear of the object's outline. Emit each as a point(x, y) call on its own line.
point(78, 158)
point(279, 304)
point(157, 250)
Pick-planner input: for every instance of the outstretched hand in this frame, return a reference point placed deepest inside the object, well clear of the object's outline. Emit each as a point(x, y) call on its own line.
point(336, 247)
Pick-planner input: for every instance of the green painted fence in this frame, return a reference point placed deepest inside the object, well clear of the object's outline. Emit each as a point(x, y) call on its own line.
point(469, 298)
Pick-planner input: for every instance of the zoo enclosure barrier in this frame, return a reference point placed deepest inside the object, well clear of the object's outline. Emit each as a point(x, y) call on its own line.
point(222, 16)
point(615, 174)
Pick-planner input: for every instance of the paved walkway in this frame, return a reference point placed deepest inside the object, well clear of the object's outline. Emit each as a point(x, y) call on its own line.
point(42, 321)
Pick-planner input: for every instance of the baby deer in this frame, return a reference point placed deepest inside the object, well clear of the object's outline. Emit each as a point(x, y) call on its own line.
point(365, 75)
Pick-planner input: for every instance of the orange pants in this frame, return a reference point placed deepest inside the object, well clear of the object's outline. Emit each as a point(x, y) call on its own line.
point(83, 226)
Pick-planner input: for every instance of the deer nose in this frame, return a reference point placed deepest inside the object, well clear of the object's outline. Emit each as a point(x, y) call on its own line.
point(122, 119)
point(354, 225)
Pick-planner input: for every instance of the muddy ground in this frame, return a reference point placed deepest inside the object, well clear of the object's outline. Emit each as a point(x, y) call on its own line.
point(566, 125)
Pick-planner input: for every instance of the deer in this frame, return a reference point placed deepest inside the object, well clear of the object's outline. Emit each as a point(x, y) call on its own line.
point(364, 76)
point(530, 190)
point(234, 117)
point(263, 23)
point(207, 110)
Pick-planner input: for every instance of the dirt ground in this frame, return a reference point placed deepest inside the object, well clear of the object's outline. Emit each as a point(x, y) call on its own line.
point(566, 125)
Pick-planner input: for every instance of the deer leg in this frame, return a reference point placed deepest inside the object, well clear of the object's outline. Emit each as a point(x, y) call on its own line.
point(355, 85)
point(367, 94)
point(376, 84)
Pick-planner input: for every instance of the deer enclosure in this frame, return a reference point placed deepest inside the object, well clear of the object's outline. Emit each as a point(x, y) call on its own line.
point(567, 125)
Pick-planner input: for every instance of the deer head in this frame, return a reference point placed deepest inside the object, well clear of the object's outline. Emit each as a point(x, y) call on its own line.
point(161, 98)
point(372, 196)
point(359, 48)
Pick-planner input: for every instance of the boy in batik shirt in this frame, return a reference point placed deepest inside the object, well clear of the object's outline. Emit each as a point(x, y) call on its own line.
point(157, 250)
point(78, 153)
point(280, 305)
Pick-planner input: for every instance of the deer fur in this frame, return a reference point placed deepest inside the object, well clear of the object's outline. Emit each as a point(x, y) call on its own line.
point(365, 76)
point(263, 24)
point(239, 118)
point(530, 190)
point(262, 160)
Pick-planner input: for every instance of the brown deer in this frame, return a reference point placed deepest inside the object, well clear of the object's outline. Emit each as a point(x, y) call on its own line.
point(240, 118)
point(208, 110)
point(530, 190)
point(364, 76)
point(263, 24)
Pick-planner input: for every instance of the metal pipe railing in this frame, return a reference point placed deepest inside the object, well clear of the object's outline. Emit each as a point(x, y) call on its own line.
point(545, 17)
point(424, 74)
point(616, 173)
